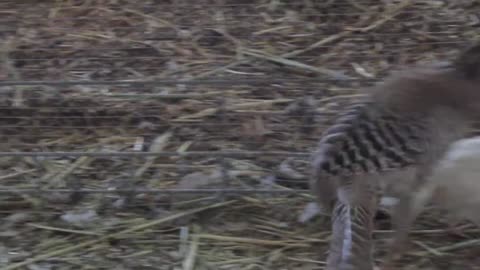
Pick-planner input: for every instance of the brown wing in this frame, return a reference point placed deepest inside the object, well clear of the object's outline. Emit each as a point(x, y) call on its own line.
point(365, 140)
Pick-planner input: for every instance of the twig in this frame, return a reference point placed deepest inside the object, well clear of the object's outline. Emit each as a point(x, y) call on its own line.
point(15, 174)
point(464, 244)
point(152, 18)
point(284, 61)
point(321, 42)
point(62, 173)
point(390, 14)
point(317, 44)
point(50, 228)
point(212, 111)
point(428, 249)
point(250, 240)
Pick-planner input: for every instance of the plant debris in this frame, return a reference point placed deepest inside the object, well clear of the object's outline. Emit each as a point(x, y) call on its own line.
point(207, 76)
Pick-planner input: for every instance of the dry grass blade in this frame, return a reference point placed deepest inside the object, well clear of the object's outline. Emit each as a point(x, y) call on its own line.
point(113, 235)
point(394, 11)
point(453, 247)
point(43, 227)
point(157, 146)
point(189, 262)
point(115, 75)
point(56, 177)
point(281, 60)
point(252, 241)
point(386, 17)
point(212, 111)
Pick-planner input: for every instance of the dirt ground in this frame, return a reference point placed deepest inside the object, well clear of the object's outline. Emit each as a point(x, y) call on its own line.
point(258, 76)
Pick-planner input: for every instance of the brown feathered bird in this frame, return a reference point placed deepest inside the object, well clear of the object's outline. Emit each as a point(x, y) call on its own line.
point(395, 136)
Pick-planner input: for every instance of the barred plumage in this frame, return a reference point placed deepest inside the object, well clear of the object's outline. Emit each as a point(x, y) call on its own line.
point(371, 140)
point(391, 140)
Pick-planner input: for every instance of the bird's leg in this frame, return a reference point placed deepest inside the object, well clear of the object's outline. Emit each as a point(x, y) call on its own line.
point(324, 189)
point(410, 205)
point(402, 220)
point(351, 246)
